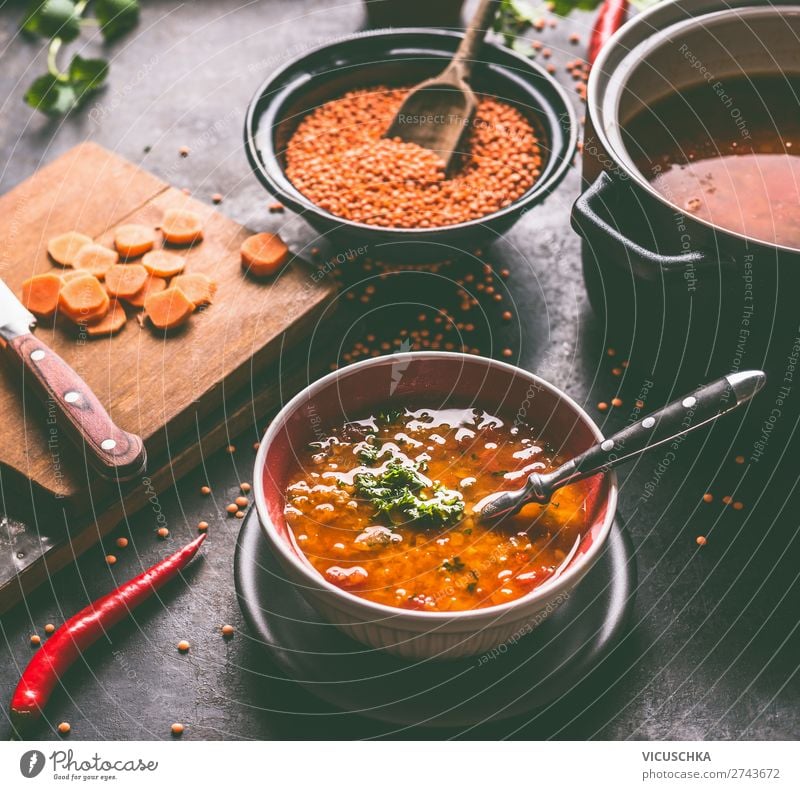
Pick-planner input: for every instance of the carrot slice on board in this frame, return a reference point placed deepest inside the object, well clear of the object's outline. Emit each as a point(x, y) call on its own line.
point(95, 259)
point(63, 249)
point(125, 279)
point(162, 263)
point(181, 226)
point(84, 300)
point(134, 240)
point(40, 294)
point(72, 274)
point(111, 322)
point(263, 254)
point(168, 309)
point(198, 287)
point(152, 286)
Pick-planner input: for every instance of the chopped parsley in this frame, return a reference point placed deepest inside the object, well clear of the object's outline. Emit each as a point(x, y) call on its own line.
point(453, 566)
point(390, 415)
point(399, 492)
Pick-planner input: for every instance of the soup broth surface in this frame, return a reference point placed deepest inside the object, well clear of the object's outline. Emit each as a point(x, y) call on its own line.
point(383, 507)
point(730, 158)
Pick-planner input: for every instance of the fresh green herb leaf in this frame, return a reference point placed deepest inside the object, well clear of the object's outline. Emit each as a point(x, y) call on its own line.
point(500, 473)
point(53, 19)
point(51, 96)
point(390, 415)
point(472, 586)
point(368, 455)
point(565, 7)
point(116, 17)
point(467, 531)
point(399, 491)
point(86, 76)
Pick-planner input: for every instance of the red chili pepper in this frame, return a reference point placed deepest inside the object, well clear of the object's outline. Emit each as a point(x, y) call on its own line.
point(67, 643)
point(610, 19)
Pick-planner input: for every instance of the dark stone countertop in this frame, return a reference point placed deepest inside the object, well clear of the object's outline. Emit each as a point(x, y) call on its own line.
point(713, 648)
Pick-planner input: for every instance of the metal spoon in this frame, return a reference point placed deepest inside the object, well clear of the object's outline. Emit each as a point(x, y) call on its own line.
point(437, 112)
point(676, 419)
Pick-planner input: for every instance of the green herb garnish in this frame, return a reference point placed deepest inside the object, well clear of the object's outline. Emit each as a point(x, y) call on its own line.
point(453, 566)
point(390, 415)
point(400, 491)
point(61, 21)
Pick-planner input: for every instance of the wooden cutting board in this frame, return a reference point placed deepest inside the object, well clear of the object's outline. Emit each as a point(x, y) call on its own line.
point(157, 386)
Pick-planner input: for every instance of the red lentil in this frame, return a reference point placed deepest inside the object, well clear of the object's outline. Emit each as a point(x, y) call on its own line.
point(49, 628)
point(64, 728)
point(616, 402)
point(110, 559)
point(216, 198)
point(162, 533)
point(242, 501)
point(708, 497)
point(701, 541)
point(232, 508)
point(205, 490)
point(122, 543)
point(184, 150)
point(177, 729)
point(738, 505)
point(602, 406)
point(338, 158)
point(726, 500)
point(227, 631)
point(183, 646)
point(36, 640)
point(739, 459)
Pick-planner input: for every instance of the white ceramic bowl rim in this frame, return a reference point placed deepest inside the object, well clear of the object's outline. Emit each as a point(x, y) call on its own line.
point(543, 592)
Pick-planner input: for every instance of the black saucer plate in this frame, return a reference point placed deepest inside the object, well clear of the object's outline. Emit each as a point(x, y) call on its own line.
point(521, 676)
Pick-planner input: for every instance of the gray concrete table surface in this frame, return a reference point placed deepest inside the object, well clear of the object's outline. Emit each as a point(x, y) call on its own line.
point(713, 648)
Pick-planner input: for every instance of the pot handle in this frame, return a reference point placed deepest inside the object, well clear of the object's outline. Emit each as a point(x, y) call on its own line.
point(647, 264)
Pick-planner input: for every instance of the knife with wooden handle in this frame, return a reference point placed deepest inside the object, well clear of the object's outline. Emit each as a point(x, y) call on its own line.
point(115, 454)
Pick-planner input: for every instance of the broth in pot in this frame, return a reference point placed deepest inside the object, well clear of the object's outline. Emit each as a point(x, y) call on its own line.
point(727, 153)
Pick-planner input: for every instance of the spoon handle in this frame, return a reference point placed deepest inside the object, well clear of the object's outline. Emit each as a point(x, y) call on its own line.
point(667, 424)
point(474, 35)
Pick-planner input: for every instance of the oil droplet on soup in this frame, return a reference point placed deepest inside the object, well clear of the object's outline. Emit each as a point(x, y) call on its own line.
point(382, 508)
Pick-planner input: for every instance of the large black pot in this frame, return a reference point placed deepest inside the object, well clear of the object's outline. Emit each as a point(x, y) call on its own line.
point(404, 57)
point(687, 296)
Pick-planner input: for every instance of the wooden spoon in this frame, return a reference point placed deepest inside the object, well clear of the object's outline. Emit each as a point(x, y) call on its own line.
point(437, 112)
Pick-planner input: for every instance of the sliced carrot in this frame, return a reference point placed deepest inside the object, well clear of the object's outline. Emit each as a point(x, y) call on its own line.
point(162, 263)
point(198, 287)
point(152, 286)
point(40, 294)
point(84, 300)
point(95, 259)
point(63, 249)
point(168, 309)
point(263, 254)
point(125, 279)
point(134, 240)
point(112, 322)
point(72, 274)
point(181, 226)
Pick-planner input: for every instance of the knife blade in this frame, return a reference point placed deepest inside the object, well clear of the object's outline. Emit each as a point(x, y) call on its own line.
point(115, 454)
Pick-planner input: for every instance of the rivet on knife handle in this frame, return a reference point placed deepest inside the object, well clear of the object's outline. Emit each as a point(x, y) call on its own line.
point(114, 453)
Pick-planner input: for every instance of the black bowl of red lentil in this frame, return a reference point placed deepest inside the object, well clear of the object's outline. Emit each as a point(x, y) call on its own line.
point(313, 138)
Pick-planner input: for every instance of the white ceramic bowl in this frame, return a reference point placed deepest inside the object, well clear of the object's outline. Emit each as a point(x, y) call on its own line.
point(430, 379)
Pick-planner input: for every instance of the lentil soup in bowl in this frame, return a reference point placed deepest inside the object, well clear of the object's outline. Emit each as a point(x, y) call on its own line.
point(314, 137)
point(365, 484)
